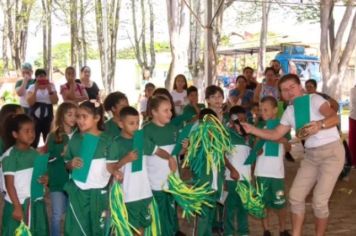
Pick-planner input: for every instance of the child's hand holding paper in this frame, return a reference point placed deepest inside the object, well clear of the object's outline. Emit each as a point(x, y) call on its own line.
point(76, 163)
point(43, 180)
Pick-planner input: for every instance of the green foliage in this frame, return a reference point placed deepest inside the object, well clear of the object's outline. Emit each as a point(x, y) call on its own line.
point(225, 40)
point(129, 53)
point(309, 13)
point(9, 97)
point(61, 55)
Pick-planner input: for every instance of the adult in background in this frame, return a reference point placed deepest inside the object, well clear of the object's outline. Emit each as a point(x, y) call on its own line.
point(324, 153)
point(23, 84)
point(311, 87)
point(90, 86)
point(41, 96)
point(276, 65)
point(241, 95)
point(251, 81)
point(269, 87)
point(72, 91)
point(352, 125)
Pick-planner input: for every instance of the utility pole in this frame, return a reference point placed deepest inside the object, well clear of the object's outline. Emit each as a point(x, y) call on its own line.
point(208, 65)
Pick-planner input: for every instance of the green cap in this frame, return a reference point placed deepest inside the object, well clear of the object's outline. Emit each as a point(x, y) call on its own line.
point(26, 66)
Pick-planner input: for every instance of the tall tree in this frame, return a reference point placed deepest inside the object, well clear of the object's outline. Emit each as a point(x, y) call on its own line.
point(140, 46)
point(178, 17)
point(334, 60)
point(266, 6)
point(47, 35)
point(18, 16)
point(73, 32)
point(107, 25)
point(5, 56)
point(194, 57)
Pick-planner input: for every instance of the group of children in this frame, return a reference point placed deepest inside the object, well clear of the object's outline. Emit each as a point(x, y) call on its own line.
point(142, 173)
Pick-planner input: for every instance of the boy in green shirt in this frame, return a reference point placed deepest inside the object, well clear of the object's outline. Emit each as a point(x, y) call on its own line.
point(136, 186)
point(192, 109)
point(236, 170)
point(113, 103)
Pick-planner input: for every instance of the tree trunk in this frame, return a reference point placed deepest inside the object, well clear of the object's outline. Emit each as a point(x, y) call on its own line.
point(107, 39)
point(4, 40)
point(178, 27)
point(333, 59)
point(152, 38)
point(140, 45)
point(18, 16)
point(47, 36)
point(73, 32)
point(83, 36)
point(263, 37)
point(195, 39)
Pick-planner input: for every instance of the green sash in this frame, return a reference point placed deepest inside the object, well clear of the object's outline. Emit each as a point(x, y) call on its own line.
point(272, 148)
point(87, 152)
point(236, 138)
point(138, 147)
point(39, 169)
point(301, 111)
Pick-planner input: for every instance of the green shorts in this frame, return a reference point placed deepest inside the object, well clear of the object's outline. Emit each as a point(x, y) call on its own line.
point(139, 213)
point(274, 197)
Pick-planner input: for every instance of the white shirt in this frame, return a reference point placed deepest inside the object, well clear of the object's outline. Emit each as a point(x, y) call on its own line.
point(182, 97)
point(42, 95)
point(271, 167)
point(324, 136)
point(237, 158)
point(353, 103)
point(143, 104)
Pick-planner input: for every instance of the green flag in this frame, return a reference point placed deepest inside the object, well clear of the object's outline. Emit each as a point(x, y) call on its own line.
point(138, 147)
point(87, 152)
point(301, 111)
point(39, 169)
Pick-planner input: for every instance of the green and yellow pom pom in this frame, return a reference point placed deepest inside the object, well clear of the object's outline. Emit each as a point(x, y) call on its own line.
point(119, 217)
point(22, 230)
point(155, 228)
point(190, 198)
point(208, 144)
point(251, 198)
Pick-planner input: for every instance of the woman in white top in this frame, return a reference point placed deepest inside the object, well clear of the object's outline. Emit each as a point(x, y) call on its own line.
point(352, 125)
point(324, 153)
point(179, 93)
point(40, 97)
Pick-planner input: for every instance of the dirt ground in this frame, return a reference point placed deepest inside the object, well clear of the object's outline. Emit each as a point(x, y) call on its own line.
point(342, 220)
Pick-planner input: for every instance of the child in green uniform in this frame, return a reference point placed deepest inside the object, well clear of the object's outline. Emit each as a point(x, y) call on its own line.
point(113, 103)
point(236, 171)
point(18, 165)
point(87, 158)
point(135, 185)
point(6, 110)
point(214, 97)
point(204, 223)
point(269, 169)
point(160, 138)
point(192, 109)
point(57, 140)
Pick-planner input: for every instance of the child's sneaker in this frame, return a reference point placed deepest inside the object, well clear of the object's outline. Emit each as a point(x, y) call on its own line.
point(284, 233)
point(267, 233)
